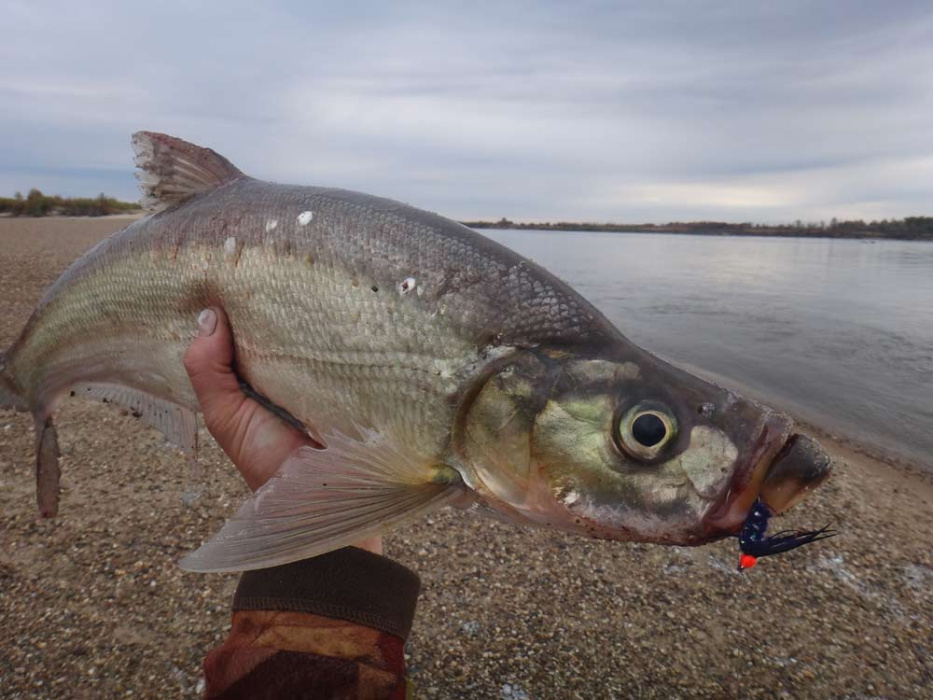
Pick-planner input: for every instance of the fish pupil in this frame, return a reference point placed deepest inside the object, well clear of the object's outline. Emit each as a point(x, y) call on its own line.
point(649, 430)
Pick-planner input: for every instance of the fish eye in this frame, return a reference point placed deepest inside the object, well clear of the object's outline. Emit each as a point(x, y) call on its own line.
point(643, 432)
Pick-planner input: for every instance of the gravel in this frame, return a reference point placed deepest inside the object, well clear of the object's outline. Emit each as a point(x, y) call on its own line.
point(92, 604)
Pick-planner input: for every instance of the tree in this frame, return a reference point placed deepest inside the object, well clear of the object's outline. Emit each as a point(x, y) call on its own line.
point(37, 204)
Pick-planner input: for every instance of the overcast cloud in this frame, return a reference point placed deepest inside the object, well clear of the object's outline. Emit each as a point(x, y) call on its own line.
point(598, 111)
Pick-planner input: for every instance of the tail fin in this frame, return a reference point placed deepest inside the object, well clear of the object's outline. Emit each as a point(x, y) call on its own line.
point(10, 396)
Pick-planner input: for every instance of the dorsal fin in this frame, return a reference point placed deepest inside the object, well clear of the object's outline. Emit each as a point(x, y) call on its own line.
point(171, 170)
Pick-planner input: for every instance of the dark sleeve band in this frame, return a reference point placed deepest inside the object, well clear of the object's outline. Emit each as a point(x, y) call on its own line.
point(348, 584)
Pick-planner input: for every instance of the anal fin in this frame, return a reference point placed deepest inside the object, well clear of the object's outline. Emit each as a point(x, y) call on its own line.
point(321, 500)
point(178, 424)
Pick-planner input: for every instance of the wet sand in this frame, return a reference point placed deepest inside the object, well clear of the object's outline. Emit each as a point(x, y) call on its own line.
point(93, 606)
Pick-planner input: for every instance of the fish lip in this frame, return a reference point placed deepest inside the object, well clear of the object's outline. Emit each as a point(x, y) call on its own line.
point(728, 512)
point(800, 466)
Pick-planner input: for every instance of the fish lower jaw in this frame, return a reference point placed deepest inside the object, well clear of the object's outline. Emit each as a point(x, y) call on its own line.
point(729, 519)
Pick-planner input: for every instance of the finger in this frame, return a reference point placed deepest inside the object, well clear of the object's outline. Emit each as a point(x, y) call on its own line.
point(209, 363)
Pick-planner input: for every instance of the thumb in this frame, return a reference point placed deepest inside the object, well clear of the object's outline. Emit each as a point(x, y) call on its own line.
point(256, 440)
point(209, 363)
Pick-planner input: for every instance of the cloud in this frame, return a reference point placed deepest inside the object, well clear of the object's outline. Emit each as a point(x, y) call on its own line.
point(597, 111)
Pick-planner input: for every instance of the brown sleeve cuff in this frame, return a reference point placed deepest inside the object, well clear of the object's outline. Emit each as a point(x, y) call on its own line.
point(348, 584)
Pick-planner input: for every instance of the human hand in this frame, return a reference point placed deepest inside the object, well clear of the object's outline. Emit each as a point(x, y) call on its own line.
point(257, 441)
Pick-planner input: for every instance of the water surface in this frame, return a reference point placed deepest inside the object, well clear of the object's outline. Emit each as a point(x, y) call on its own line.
point(839, 332)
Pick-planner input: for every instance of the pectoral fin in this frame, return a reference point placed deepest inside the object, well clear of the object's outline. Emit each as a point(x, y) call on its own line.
point(321, 500)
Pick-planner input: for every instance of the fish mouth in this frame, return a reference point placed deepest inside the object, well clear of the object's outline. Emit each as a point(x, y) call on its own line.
point(782, 468)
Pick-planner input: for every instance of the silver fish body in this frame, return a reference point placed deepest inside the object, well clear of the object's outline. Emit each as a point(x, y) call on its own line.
point(391, 329)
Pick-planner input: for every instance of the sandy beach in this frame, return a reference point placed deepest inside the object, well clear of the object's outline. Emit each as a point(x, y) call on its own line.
point(92, 604)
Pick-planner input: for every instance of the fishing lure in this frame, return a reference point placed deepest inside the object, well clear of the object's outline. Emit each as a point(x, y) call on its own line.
point(753, 543)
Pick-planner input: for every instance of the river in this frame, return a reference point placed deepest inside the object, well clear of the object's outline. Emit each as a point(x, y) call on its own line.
point(838, 332)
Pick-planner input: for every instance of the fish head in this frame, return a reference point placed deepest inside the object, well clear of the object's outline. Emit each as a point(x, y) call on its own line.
point(628, 447)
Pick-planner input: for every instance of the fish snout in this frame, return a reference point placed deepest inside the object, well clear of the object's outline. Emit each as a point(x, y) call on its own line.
point(800, 466)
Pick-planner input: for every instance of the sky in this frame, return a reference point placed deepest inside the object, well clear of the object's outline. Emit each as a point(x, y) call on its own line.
point(576, 111)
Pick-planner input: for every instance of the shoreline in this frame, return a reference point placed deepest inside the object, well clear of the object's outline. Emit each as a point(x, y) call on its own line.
point(844, 443)
point(63, 217)
point(649, 229)
point(873, 451)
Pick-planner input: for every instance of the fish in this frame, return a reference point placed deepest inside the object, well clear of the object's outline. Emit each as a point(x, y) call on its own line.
point(431, 365)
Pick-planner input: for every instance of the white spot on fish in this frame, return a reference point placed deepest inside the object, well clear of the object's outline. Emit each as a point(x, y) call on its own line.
point(304, 218)
point(406, 285)
point(272, 224)
point(205, 265)
point(230, 246)
point(571, 498)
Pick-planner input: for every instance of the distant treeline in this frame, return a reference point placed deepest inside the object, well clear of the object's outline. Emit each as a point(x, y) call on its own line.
point(909, 228)
point(37, 204)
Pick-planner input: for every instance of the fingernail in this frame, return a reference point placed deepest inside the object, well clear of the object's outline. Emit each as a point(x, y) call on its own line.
point(207, 323)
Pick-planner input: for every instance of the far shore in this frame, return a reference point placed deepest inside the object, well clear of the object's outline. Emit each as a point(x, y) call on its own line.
point(917, 228)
